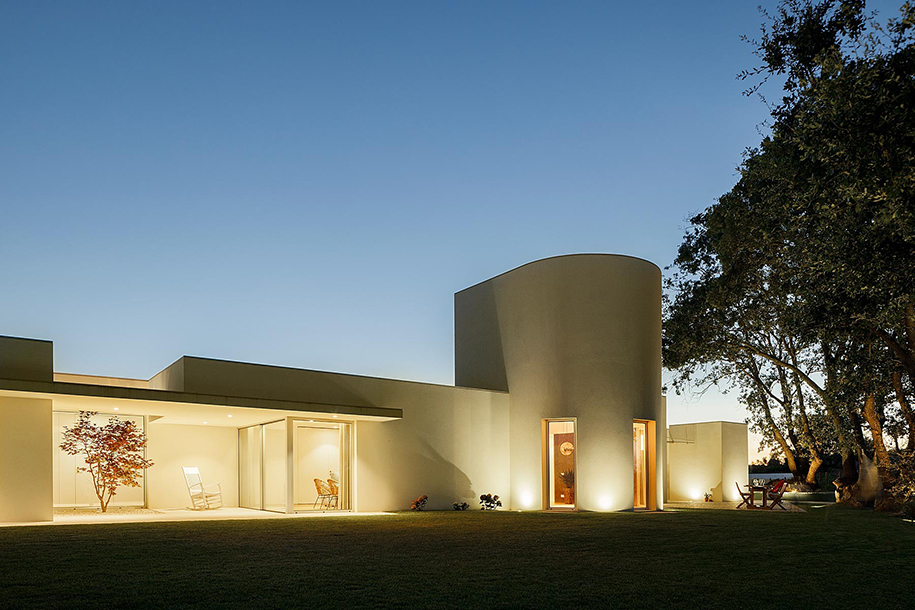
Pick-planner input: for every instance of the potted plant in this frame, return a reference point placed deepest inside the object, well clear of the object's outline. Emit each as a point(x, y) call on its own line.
point(490, 502)
point(568, 479)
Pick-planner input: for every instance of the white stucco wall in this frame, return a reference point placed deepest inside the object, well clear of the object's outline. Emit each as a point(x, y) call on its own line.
point(451, 445)
point(570, 337)
point(703, 457)
point(26, 466)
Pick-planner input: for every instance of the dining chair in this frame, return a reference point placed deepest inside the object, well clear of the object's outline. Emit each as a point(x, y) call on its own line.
point(747, 496)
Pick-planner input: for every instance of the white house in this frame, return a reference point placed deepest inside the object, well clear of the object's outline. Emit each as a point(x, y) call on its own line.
point(557, 405)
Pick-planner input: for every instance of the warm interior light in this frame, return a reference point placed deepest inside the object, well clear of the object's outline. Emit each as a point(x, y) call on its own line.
point(604, 502)
point(335, 416)
point(117, 408)
point(206, 422)
point(230, 415)
point(527, 499)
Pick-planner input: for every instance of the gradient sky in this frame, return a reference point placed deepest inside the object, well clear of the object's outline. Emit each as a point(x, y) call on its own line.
point(309, 184)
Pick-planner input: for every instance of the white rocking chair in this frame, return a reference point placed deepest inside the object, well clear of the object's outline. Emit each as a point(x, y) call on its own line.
point(202, 496)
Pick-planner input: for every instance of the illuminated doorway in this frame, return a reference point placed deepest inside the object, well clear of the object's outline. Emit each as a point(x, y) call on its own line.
point(560, 445)
point(640, 465)
point(321, 471)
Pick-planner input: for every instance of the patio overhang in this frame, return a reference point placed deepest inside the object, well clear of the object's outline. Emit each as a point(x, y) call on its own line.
point(167, 406)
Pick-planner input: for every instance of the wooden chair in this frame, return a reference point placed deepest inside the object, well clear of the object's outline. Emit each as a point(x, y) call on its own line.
point(775, 494)
point(323, 493)
point(202, 496)
point(747, 496)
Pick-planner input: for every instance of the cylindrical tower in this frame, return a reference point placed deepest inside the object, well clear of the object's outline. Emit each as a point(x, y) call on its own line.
point(576, 341)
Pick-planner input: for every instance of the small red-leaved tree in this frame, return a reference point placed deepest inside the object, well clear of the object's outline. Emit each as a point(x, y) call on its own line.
point(113, 453)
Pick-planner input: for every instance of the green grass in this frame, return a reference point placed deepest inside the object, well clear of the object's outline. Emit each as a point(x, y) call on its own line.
point(840, 558)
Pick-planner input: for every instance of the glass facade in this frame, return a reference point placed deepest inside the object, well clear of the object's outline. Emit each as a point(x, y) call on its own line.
point(320, 462)
point(73, 489)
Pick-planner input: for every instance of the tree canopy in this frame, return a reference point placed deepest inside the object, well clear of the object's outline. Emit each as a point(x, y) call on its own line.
point(797, 285)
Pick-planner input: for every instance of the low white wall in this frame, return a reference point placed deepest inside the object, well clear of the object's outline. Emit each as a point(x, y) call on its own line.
point(213, 449)
point(26, 464)
point(703, 457)
point(735, 459)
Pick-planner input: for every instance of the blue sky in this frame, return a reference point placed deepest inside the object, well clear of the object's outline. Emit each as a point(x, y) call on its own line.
point(308, 184)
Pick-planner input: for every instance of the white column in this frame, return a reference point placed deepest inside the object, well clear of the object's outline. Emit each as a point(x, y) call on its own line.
point(26, 460)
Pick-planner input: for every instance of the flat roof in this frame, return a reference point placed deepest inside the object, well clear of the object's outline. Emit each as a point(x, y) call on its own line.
point(151, 395)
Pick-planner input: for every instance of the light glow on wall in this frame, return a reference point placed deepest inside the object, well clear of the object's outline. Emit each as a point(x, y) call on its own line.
point(605, 502)
point(527, 499)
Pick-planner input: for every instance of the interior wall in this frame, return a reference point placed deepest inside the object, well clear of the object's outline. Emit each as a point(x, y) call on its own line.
point(26, 467)
point(213, 449)
point(317, 452)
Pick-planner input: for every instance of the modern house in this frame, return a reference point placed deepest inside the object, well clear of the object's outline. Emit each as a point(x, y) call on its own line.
point(556, 405)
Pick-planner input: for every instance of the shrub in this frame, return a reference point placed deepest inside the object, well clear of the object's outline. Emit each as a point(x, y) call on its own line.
point(908, 510)
point(460, 506)
point(489, 502)
point(419, 503)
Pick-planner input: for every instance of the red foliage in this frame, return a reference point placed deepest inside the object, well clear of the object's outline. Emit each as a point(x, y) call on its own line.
point(114, 453)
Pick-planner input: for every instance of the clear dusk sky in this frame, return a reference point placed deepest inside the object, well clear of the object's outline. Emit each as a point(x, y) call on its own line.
point(308, 184)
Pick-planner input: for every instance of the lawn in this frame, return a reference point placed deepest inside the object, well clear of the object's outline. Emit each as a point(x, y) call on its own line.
point(830, 557)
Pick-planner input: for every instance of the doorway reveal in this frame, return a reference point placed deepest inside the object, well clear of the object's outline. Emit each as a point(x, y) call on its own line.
point(560, 447)
point(644, 489)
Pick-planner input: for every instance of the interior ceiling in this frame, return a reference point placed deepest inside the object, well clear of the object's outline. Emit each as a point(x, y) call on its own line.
point(188, 414)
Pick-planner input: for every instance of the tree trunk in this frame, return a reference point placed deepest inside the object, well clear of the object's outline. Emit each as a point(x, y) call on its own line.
point(782, 442)
point(816, 458)
point(881, 455)
point(905, 408)
point(857, 431)
point(811, 479)
point(845, 485)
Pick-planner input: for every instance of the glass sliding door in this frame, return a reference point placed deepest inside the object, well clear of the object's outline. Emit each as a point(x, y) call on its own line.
point(262, 466)
point(73, 489)
point(560, 445)
point(275, 466)
point(322, 465)
point(250, 481)
point(640, 464)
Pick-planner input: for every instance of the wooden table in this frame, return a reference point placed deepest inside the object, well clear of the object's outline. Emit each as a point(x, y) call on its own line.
point(753, 489)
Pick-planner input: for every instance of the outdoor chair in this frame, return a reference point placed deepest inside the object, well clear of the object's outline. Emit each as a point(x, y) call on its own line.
point(324, 494)
point(202, 496)
point(775, 494)
point(747, 497)
point(334, 492)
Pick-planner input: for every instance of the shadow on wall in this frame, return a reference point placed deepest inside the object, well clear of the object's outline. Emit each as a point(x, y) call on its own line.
point(718, 492)
point(429, 465)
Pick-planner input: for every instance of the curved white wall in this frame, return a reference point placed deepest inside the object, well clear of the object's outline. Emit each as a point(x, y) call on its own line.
point(570, 337)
